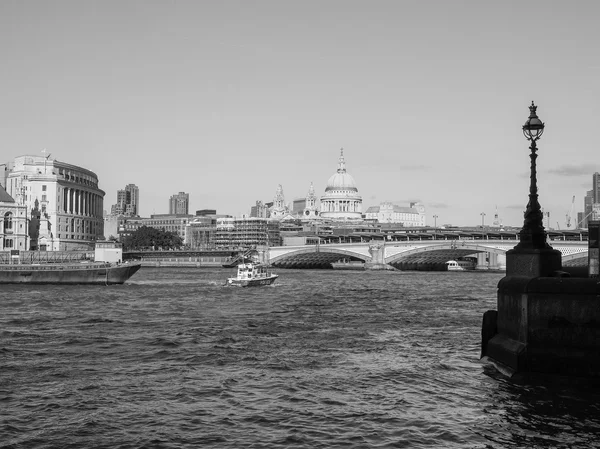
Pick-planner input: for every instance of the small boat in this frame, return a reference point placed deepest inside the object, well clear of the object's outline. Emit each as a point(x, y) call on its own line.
point(252, 275)
point(460, 265)
point(348, 265)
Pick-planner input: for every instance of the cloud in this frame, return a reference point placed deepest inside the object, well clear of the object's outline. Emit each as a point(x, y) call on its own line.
point(438, 206)
point(574, 170)
point(396, 167)
point(413, 167)
point(404, 201)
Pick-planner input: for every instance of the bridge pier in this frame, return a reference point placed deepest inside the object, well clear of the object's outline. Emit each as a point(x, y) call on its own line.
point(377, 252)
point(547, 320)
point(490, 261)
point(483, 261)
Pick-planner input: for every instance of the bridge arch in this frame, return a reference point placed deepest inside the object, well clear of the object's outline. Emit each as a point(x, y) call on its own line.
point(318, 254)
point(449, 249)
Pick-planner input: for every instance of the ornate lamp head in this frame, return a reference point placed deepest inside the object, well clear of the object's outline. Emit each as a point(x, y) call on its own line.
point(533, 127)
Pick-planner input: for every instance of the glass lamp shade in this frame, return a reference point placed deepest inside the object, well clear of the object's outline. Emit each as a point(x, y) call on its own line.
point(533, 127)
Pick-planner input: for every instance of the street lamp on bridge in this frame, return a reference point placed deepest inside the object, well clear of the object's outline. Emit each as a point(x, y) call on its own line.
point(435, 217)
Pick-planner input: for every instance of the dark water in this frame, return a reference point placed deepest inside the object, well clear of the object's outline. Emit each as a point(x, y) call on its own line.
point(321, 359)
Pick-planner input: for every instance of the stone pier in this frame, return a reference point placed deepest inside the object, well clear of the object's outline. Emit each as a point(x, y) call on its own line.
point(548, 317)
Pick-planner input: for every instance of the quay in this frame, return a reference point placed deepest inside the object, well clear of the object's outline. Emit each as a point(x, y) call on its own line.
point(181, 259)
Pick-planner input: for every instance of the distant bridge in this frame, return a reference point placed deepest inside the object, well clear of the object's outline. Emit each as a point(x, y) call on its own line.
point(490, 253)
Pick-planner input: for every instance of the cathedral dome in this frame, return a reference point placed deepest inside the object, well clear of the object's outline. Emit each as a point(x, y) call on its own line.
point(341, 200)
point(341, 180)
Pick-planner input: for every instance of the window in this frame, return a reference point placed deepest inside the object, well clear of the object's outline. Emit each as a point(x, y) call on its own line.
point(43, 188)
point(7, 221)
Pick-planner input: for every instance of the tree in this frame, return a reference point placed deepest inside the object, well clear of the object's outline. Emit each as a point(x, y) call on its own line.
point(151, 238)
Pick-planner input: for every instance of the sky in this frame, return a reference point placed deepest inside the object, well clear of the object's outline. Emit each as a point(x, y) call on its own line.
point(225, 100)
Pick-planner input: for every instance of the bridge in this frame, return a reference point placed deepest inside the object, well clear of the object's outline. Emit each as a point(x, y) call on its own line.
point(426, 254)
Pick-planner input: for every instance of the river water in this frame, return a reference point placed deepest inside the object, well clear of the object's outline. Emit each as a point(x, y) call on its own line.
point(173, 359)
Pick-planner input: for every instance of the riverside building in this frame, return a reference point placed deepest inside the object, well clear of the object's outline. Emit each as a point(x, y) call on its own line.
point(244, 233)
point(66, 198)
point(176, 223)
point(413, 216)
point(13, 224)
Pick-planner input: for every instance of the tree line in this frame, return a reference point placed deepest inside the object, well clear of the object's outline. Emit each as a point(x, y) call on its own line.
point(147, 238)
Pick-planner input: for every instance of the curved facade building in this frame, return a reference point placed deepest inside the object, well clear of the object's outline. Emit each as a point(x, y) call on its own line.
point(341, 200)
point(66, 197)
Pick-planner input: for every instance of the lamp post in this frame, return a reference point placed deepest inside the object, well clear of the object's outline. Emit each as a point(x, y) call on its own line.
point(482, 224)
point(533, 256)
point(533, 235)
point(24, 203)
point(435, 217)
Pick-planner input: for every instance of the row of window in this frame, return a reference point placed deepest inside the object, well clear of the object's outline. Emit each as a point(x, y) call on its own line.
point(78, 179)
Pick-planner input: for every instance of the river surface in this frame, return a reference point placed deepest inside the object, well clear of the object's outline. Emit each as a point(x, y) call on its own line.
point(173, 359)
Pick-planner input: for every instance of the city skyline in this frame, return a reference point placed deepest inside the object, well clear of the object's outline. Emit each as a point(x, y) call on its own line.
point(227, 100)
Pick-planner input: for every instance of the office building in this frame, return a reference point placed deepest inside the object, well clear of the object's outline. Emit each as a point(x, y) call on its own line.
point(128, 202)
point(412, 216)
point(245, 233)
point(179, 204)
point(591, 203)
point(64, 199)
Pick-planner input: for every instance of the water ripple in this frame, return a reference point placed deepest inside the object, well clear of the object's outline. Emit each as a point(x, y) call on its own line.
point(323, 359)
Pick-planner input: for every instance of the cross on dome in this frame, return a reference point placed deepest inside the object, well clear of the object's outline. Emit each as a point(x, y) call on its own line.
point(341, 163)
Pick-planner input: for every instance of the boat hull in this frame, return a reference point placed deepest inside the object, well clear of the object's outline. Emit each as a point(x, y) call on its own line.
point(258, 282)
point(357, 266)
point(92, 274)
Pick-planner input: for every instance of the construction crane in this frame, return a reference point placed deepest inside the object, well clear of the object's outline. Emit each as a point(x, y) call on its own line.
point(568, 216)
point(584, 218)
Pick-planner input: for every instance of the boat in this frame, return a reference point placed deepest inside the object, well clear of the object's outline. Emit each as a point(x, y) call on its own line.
point(99, 273)
point(348, 265)
point(460, 265)
point(252, 275)
point(106, 268)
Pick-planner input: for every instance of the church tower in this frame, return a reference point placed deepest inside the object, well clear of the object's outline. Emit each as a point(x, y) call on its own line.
point(279, 209)
point(310, 209)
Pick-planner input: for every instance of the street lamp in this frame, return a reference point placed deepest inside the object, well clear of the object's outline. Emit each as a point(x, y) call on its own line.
point(435, 217)
point(533, 235)
point(482, 225)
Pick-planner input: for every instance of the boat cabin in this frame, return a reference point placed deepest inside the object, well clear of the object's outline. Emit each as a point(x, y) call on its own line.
point(247, 271)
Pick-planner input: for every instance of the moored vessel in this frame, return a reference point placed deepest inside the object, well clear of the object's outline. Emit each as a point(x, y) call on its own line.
point(348, 265)
point(107, 268)
point(100, 273)
point(460, 265)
